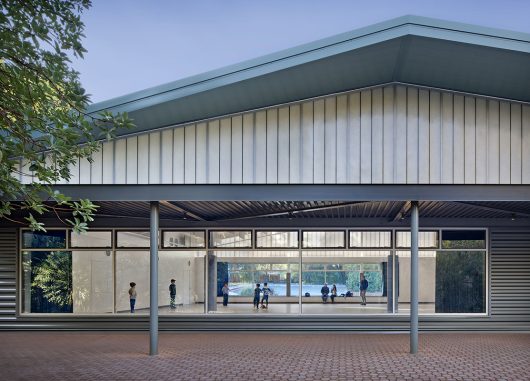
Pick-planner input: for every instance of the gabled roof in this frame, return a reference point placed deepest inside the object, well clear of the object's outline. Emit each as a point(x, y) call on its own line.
point(409, 49)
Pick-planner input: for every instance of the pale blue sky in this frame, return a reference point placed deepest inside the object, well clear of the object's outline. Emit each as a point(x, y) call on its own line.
point(136, 44)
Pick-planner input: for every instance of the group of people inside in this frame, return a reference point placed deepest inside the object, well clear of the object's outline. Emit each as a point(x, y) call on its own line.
point(261, 294)
point(326, 293)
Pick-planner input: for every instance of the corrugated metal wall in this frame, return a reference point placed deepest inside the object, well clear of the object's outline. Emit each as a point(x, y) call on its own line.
point(8, 272)
point(392, 135)
point(510, 302)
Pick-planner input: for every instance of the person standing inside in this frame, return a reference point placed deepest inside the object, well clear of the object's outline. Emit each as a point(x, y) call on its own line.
point(333, 293)
point(132, 296)
point(225, 290)
point(265, 299)
point(363, 286)
point(257, 292)
point(172, 294)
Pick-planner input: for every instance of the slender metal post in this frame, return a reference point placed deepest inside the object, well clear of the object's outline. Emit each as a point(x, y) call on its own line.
point(153, 290)
point(414, 228)
point(212, 282)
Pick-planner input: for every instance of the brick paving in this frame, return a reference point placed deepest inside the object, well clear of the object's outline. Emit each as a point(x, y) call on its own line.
point(262, 356)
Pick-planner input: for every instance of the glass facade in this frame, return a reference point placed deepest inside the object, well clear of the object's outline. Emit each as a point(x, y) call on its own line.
point(349, 271)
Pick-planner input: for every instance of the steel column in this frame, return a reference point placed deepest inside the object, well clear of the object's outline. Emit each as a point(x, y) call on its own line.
point(414, 228)
point(153, 290)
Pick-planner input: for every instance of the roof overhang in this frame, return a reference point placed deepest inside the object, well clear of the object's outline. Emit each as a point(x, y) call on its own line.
point(409, 49)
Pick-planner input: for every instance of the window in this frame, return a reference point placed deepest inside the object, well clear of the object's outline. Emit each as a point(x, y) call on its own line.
point(52, 239)
point(92, 238)
point(426, 239)
point(133, 239)
point(185, 239)
point(370, 239)
point(230, 239)
point(276, 239)
point(47, 281)
point(323, 239)
point(79, 282)
point(463, 239)
point(460, 282)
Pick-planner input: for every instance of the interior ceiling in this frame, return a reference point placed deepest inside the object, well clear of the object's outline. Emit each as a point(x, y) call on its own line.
point(238, 210)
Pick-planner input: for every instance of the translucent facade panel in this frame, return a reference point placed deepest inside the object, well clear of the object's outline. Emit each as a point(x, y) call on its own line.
point(276, 239)
point(426, 239)
point(288, 256)
point(463, 239)
point(185, 239)
point(323, 239)
point(91, 238)
point(228, 239)
point(132, 266)
point(133, 239)
point(370, 239)
point(52, 239)
point(92, 282)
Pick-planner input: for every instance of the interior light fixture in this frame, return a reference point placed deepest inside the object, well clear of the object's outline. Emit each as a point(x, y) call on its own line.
point(513, 216)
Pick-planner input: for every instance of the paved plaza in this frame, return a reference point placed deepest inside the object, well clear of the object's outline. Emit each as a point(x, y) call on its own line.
point(262, 356)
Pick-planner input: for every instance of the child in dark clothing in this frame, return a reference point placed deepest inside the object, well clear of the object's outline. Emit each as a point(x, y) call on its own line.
point(257, 292)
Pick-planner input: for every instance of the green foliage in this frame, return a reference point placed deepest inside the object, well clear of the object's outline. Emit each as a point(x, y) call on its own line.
point(42, 108)
point(54, 277)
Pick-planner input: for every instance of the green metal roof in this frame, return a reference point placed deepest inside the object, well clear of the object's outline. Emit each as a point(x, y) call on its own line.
point(410, 49)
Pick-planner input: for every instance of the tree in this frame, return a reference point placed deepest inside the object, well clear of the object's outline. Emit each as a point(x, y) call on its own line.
point(42, 110)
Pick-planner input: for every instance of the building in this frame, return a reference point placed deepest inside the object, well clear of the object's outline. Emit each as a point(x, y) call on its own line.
point(304, 167)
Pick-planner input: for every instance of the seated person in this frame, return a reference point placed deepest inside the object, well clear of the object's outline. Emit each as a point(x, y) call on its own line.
point(325, 292)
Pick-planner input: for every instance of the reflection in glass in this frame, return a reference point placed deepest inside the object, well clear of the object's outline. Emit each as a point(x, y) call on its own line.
point(322, 239)
point(186, 239)
point(133, 239)
point(52, 239)
point(221, 239)
point(463, 239)
point(91, 238)
point(276, 239)
point(460, 282)
point(47, 283)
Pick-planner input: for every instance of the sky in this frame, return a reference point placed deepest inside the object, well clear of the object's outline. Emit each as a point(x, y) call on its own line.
point(136, 44)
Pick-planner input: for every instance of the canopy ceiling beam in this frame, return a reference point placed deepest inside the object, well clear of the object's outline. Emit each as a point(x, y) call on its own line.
point(494, 209)
point(405, 209)
point(295, 211)
point(177, 208)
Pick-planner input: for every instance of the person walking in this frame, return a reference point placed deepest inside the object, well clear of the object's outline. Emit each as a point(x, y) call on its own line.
point(132, 296)
point(363, 286)
point(225, 290)
point(172, 294)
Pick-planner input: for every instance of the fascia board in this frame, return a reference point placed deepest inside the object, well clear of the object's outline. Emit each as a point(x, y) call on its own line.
point(377, 33)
